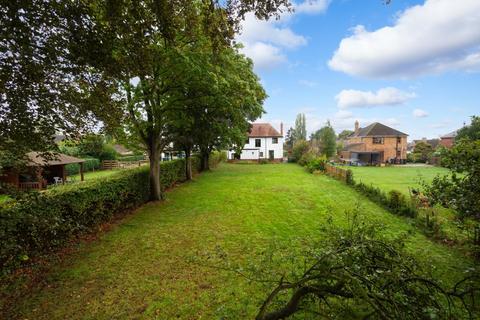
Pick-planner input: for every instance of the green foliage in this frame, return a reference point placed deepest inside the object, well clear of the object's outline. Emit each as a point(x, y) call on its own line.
point(300, 131)
point(317, 164)
point(299, 149)
point(394, 201)
point(470, 132)
point(328, 141)
point(422, 152)
point(38, 223)
point(344, 134)
point(132, 158)
point(90, 164)
point(306, 158)
point(349, 179)
point(359, 273)
point(461, 188)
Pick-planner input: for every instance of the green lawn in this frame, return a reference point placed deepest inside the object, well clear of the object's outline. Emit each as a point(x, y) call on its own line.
point(399, 178)
point(163, 261)
point(95, 174)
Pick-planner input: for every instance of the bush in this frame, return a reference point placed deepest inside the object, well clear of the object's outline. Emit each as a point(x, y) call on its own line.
point(300, 148)
point(40, 222)
point(89, 165)
point(306, 158)
point(132, 158)
point(217, 157)
point(263, 161)
point(107, 153)
point(317, 164)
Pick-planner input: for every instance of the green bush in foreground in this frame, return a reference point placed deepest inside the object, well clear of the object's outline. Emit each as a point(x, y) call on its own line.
point(317, 164)
point(360, 274)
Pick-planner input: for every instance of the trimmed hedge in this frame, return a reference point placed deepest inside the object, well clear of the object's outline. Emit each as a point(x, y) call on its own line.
point(40, 222)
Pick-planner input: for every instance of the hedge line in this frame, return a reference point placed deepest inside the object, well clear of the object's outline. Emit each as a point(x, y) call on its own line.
point(40, 222)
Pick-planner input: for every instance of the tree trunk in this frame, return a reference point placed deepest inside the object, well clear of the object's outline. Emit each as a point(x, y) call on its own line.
point(155, 186)
point(205, 161)
point(188, 164)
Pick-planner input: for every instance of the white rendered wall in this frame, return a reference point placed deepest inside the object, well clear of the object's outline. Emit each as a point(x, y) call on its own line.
point(251, 152)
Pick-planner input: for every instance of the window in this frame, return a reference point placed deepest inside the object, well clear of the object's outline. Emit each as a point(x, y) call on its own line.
point(399, 140)
point(377, 140)
point(261, 154)
point(399, 153)
point(274, 140)
point(247, 141)
point(258, 143)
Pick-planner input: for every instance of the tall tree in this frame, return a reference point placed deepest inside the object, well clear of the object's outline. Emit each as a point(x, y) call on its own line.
point(43, 87)
point(328, 141)
point(300, 127)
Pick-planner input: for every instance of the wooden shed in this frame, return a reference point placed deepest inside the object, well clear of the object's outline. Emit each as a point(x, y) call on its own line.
point(39, 171)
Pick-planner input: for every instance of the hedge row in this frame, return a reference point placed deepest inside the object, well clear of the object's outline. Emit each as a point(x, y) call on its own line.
point(40, 222)
point(394, 201)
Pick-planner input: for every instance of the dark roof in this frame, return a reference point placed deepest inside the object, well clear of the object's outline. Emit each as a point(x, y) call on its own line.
point(36, 159)
point(263, 130)
point(452, 134)
point(377, 129)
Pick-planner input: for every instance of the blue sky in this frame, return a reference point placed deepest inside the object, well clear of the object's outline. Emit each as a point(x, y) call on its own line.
point(413, 65)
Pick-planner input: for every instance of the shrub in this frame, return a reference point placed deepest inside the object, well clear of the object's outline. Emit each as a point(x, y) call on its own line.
point(89, 165)
point(306, 158)
point(399, 204)
point(107, 153)
point(40, 222)
point(263, 161)
point(317, 164)
point(138, 157)
point(217, 157)
point(299, 149)
point(349, 178)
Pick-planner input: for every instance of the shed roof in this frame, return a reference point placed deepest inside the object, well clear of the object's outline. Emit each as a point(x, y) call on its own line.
point(36, 159)
point(263, 130)
point(377, 129)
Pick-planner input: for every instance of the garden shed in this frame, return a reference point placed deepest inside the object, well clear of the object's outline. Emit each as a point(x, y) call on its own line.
point(40, 171)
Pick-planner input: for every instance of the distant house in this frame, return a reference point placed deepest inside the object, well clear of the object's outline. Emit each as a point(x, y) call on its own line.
point(39, 171)
point(375, 144)
point(448, 139)
point(263, 142)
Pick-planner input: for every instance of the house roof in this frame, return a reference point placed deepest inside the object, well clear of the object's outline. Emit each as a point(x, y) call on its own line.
point(452, 134)
point(263, 130)
point(377, 129)
point(36, 159)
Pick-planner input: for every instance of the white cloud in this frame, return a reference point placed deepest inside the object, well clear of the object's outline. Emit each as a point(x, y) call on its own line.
point(362, 99)
point(435, 37)
point(265, 42)
point(419, 113)
point(312, 6)
point(308, 83)
point(344, 114)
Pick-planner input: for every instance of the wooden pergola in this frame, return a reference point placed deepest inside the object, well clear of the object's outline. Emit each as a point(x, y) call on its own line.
point(40, 172)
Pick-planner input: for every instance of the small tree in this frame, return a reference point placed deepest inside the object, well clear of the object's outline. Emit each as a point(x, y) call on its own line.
point(328, 140)
point(470, 132)
point(300, 148)
point(422, 152)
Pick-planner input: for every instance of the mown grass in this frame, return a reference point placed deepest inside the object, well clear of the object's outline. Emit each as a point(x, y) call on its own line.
point(91, 175)
point(170, 259)
point(401, 178)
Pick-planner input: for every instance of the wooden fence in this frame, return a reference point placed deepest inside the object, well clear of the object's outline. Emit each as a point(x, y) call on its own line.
point(336, 172)
point(115, 164)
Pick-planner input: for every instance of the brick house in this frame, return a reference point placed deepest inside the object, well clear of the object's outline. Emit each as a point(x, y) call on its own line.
point(448, 139)
point(375, 144)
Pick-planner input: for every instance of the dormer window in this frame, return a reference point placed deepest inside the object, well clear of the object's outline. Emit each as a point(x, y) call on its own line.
point(377, 140)
point(274, 140)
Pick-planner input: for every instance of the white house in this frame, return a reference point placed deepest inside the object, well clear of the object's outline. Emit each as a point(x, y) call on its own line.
point(263, 142)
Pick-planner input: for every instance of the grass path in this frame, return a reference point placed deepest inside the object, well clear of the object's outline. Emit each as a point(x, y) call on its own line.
point(158, 263)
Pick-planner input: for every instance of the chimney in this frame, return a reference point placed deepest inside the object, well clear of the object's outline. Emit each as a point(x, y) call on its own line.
point(281, 129)
point(357, 127)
